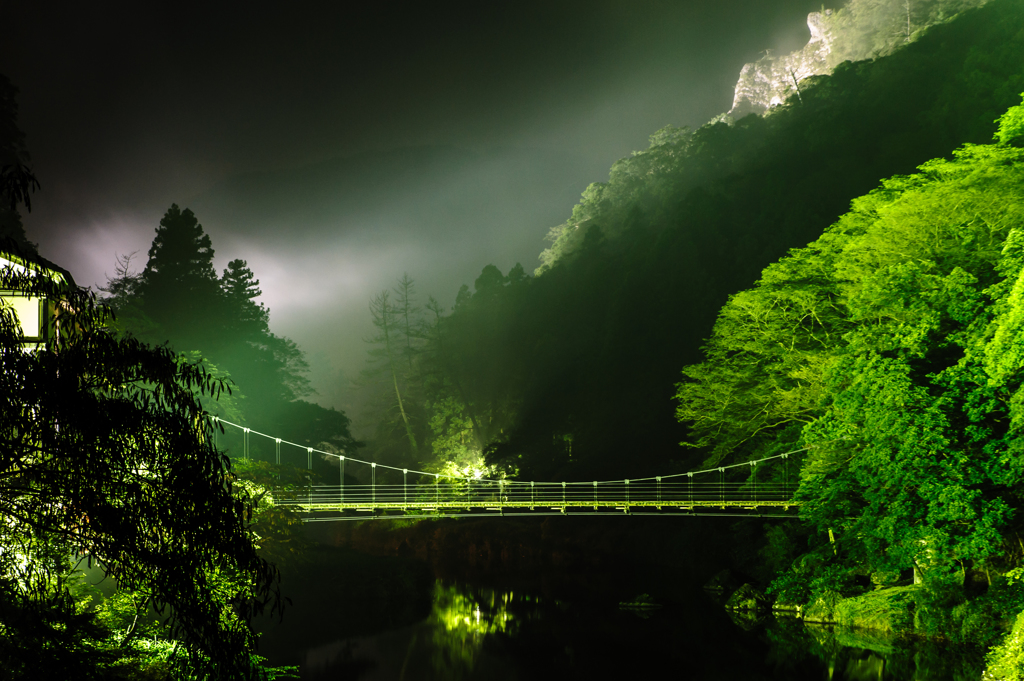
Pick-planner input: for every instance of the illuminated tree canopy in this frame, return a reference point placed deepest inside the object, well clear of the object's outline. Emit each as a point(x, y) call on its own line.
point(107, 456)
point(892, 345)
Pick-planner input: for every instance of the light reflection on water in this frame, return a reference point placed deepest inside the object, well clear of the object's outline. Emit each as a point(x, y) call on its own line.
point(482, 633)
point(449, 644)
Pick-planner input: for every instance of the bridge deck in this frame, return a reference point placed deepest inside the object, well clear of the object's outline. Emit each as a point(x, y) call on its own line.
point(542, 498)
point(518, 507)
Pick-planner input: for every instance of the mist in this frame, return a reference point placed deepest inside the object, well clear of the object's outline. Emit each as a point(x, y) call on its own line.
point(335, 155)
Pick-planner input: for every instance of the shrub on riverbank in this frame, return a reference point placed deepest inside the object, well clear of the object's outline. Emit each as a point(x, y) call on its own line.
point(886, 610)
point(962, 613)
point(1006, 660)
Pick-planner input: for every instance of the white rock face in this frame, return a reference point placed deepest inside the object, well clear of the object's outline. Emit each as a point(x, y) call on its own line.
point(770, 80)
point(861, 29)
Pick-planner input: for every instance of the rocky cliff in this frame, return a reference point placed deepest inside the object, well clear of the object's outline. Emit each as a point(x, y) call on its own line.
point(770, 80)
point(862, 29)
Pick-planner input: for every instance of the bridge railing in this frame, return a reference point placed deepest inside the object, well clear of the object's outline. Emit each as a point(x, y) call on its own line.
point(521, 495)
point(768, 481)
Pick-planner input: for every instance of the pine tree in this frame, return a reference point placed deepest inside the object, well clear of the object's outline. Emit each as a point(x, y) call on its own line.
point(179, 288)
point(244, 318)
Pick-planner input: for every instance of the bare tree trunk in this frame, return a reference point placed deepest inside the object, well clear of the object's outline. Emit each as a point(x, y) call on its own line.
point(380, 308)
point(407, 310)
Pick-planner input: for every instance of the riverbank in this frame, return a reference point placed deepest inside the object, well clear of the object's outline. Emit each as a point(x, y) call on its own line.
point(884, 619)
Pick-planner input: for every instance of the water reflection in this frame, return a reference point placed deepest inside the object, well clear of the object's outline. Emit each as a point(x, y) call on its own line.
point(452, 643)
point(462, 620)
point(862, 655)
point(475, 632)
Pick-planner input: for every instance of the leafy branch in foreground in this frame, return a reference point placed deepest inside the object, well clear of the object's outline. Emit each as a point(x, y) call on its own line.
point(107, 454)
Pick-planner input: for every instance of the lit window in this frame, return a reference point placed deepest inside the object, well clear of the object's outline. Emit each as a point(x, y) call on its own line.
point(28, 311)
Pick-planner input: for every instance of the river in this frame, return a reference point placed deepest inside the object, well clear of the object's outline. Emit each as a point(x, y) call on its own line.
point(377, 618)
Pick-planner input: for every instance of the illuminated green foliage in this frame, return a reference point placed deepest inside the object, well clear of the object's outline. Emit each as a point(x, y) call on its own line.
point(767, 354)
point(915, 444)
point(1006, 660)
point(437, 377)
point(1011, 127)
point(453, 438)
point(896, 340)
point(276, 530)
point(108, 455)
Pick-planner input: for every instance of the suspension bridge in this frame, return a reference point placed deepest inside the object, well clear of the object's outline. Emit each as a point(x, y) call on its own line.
point(721, 490)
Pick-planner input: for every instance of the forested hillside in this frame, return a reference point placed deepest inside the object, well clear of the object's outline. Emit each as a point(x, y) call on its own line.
point(569, 374)
point(892, 347)
point(178, 299)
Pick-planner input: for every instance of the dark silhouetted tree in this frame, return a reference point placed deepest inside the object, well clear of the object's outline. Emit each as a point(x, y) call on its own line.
point(17, 182)
point(107, 454)
point(179, 287)
point(244, 318)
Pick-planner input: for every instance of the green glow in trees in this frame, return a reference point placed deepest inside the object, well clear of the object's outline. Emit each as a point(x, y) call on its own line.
point(178, 299)
point(895, 341)
point(107, 454)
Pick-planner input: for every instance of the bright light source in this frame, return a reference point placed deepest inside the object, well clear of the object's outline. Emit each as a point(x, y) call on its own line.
point(27, 310)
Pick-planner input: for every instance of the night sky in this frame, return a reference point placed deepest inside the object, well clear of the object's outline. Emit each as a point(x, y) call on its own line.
point(337, 147)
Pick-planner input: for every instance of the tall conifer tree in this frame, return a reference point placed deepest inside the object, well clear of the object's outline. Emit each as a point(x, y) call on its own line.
point(244, 318)
point(179, 287)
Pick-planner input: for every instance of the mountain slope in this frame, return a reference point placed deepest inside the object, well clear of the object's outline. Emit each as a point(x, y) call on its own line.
point(633, 282)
